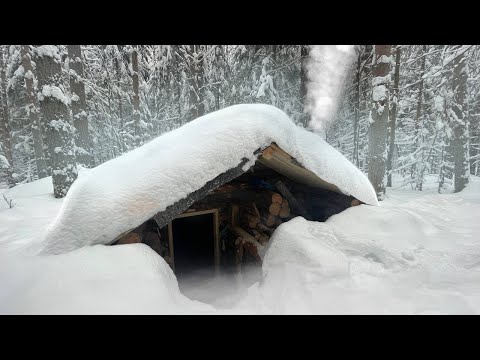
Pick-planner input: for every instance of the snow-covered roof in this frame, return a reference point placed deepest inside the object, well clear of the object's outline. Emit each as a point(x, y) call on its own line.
point(124, 192)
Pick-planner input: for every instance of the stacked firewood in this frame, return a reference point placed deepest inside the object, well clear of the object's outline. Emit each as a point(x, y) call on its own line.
point(258, 220)
point(262, 220)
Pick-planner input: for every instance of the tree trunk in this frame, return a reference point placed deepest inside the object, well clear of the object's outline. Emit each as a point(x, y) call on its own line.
point(55, 110)
point(197, 99)
point(378, 128)
point(193, 100)
point(136, 99)
point(219, 73)
point(5, 132)
point(200, 77)
point(419, 143)
point(393, 116)
point(120, 117)
point(303, 82)
point(79, 107)
point(357, 108)
point(460, 123)
point(33, 112)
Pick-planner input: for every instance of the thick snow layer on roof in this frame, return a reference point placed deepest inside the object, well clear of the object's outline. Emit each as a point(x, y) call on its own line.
point(124, 192)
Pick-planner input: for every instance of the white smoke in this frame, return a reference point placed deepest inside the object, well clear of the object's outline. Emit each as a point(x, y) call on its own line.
point(327, 68)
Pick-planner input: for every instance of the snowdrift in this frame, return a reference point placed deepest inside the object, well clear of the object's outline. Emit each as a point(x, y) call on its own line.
point(129, 279)
point(416, 254)
point(418, 257)
point(124, 192)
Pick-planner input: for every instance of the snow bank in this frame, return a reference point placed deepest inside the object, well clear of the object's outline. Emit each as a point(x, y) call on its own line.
point(415, 254)
point(297, 243)
point(127, 279)
point(23, 226)
point(126, 191)
point(419, 257)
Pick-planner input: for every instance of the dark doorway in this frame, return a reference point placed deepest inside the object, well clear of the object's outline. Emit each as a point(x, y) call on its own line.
point(194, 244)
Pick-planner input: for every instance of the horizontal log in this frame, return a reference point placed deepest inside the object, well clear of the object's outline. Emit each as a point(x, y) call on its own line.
point(277, 159)
point(355, 202)
point(130, 238)
point(247, 237)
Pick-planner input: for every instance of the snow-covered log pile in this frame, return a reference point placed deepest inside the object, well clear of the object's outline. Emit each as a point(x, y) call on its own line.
point(255, 221)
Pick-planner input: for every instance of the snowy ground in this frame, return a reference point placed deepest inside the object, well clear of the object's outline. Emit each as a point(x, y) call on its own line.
point(417, 253)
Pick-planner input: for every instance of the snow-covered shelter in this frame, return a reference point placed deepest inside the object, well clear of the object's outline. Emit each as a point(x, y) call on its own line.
point(211, 192)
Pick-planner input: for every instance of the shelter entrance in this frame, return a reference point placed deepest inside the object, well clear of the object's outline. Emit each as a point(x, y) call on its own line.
point(194, 244)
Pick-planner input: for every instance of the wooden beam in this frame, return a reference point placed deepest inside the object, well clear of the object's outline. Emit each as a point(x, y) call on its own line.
point(235, 219)
point(195, 213)
point(120, 236)
point(170, 245)
point(280, 161)
point(277, 149)
point(216, 243)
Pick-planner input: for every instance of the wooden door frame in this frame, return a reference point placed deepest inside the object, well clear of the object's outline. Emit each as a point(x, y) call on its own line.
point(216, 236)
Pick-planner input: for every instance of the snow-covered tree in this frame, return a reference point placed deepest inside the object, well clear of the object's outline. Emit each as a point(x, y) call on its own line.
point(459, 119)
point(379, 119)
point(393, 115)
point(125, 103)
point(5, 130)
point(32, 111)
point(83, 149)
point(55, 107)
